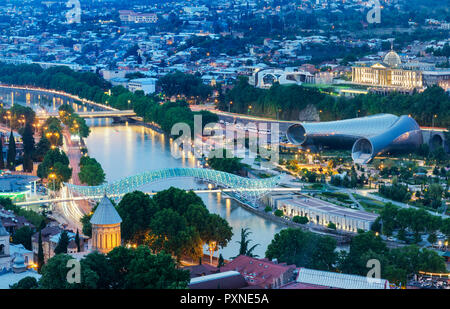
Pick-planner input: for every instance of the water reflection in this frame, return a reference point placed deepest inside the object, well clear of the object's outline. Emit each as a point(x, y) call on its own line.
point(127, 150)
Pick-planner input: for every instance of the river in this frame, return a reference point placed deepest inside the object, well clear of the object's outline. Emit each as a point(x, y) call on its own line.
point(127, 149)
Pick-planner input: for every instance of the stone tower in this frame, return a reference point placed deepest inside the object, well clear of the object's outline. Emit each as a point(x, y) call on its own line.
point(105, 227)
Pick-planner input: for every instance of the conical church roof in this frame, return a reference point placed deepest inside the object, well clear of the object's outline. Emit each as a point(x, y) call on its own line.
point(3, 231)
point(105, 213)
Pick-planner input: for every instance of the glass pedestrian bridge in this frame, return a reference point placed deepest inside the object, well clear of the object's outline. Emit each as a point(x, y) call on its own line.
point(244, 189)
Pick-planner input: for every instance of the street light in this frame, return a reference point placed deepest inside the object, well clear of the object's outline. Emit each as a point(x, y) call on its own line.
point(212, 248)
point(53, 177)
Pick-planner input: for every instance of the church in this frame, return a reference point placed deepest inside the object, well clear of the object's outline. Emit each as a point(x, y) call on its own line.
point(389, 73)
point(13, 257)
point(105, 227)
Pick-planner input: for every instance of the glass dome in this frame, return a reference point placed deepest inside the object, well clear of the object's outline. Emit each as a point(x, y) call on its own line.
point(392, 59)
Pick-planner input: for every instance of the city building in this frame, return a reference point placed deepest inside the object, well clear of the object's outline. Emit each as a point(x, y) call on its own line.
point(13, 257)
point(318, 279)
point(4, 249)
point(265, 78)
point(105, 227)
point(366, 136)
point(222, 280)
point(47, 245)
point(387, 74)
point(322, 213)
point(137, 18)
point(147, 85)
point(261, 273)
point(12, 222)
point(17, 187)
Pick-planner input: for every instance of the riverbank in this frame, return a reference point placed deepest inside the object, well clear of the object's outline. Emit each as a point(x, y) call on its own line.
point(341, 239)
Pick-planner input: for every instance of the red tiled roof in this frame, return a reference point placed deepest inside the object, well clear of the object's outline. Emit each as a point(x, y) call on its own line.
point(260, 272)
point(201, 270)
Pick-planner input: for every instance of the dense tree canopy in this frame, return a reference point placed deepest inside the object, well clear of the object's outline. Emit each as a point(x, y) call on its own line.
point(303, 248)
point(55, 167)
point(91, 172)
point(122, 268)
point(285, 102)
point(179, 83)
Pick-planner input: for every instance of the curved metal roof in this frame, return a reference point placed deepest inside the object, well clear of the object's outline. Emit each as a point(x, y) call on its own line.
point(369, 135)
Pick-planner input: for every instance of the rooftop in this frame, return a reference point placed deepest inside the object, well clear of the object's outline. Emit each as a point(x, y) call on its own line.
point(10, 278)
point(259, 272)
point(330, 208)
point(338, 280)
point(106, 213)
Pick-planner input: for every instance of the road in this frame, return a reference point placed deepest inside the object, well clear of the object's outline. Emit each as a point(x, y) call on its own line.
point(385, 200)
point(72, 210)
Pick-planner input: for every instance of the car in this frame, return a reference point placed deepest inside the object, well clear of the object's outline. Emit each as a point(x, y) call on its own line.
point(391, 238)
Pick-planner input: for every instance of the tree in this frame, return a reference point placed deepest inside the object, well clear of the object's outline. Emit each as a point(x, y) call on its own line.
point(230, 165)
point(55, 167)
point(40, 256)
point(136, 210)
point(86, 224)
point(23, 236)
point(303, 248)
point(54, 275)
point(217, 229)
point(300, 219)
point(364, 246)
point(170, 233)
point(278, 213)
point(63, 242)
point(26, 283)
point(100, 265)
point(11, 155)
point(388, 215)
point(150, 271)
point(244, 244)
point(28, 148)
point(41, 149)
point(220, 262)
point(91, 172)
point(77, 241)
point(331, 225)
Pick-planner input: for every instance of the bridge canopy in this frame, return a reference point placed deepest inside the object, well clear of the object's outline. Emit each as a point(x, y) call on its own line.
point(245, 189)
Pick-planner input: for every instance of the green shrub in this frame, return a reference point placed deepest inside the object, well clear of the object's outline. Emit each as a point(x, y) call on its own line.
point(278, 213)
point(300, 219)
point(332, 226)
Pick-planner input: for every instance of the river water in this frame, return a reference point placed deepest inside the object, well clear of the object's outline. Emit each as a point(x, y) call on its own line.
point(127, 149)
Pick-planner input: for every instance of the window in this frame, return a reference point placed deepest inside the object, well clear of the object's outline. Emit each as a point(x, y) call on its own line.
point(2, 249)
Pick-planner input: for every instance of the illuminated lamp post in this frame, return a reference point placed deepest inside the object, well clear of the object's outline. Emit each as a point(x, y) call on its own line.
point(53, 177)
point(212, 248)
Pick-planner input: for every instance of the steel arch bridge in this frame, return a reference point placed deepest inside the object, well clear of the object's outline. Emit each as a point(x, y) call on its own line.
point(245, 189)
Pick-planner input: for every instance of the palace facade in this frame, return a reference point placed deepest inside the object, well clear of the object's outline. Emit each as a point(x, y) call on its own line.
point(387, 74)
